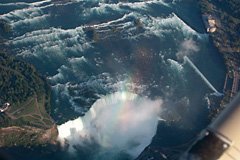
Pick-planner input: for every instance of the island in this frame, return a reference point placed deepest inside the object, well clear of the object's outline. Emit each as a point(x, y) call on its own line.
point(24, 104)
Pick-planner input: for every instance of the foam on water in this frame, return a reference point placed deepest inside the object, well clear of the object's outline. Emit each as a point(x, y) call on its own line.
point(66, 47)
point(97, 85)
point(58, 42)
point(31, 22)
point(174, 64)
point(157, 26)
point(25, 13)
point(18, 4)
point(33, 4)
point(74, 40)
point(52, 40)
point(104, 8)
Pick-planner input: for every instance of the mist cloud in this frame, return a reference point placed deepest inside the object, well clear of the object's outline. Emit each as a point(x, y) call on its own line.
point(120, 122)
point(187, 48)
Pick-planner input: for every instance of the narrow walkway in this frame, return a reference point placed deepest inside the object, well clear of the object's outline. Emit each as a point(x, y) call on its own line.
point(235, 83)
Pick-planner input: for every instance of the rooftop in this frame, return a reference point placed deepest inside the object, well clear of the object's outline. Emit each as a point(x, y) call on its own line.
point(4, 107)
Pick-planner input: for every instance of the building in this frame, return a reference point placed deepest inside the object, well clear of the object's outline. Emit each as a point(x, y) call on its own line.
point(4, 107)
point(210, 23)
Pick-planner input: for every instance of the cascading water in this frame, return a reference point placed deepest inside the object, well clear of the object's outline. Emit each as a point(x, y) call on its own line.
point(91, 48)
point(119, 122)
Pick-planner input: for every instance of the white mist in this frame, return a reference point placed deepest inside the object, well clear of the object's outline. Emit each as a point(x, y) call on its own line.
point(123, 122)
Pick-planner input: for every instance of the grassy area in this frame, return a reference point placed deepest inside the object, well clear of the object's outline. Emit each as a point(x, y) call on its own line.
point(27, 136)
point(27, 124)
point(26, 91)
point(31, 112)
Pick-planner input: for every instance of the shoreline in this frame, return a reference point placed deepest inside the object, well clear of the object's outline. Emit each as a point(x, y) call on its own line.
point(221, 39)
point(27, 122)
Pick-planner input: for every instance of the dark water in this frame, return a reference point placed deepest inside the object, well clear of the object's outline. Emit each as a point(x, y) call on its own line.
point(87, 49)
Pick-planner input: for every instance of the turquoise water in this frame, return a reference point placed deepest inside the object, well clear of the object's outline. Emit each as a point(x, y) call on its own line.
point(88, 49)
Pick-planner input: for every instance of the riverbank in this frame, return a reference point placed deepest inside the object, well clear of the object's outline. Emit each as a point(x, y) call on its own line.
point(27, 136)
point(26, 121)
point(226, 39)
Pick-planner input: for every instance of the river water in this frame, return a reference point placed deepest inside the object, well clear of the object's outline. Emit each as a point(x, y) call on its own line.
point(92, 50)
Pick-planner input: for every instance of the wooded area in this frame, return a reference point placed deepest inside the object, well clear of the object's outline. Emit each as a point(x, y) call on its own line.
point(18, 80)
point(227, 14)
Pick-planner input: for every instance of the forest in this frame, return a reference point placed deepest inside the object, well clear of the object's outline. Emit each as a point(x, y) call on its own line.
point(227, 15)
point(24, 88)
point(18, 80)
point(28, 118)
